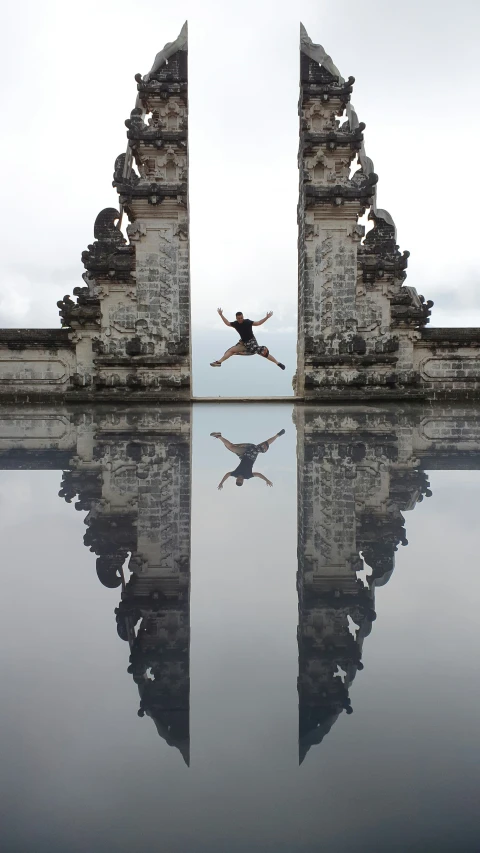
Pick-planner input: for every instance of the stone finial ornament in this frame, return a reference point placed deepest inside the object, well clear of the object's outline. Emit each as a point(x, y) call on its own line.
point(170, 48)
point(318, 54)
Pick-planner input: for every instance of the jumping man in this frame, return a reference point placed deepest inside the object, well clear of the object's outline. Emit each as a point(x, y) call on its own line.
point(247, 344)
point(248, 454)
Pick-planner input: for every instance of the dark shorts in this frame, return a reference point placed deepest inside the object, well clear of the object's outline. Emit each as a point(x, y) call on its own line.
point(252, 347)
point(250, 451)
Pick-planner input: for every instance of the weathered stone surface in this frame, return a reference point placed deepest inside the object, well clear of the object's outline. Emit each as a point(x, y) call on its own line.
point(35, 362)
point(353, 306)
point(329, 206)
point(135, 304)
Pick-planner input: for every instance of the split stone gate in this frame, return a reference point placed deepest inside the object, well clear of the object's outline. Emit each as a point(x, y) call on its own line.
point(126, 333)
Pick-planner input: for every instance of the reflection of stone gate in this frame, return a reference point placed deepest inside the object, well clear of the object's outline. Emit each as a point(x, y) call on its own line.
point(358, 472)
point(130, 471)
point(361, 332)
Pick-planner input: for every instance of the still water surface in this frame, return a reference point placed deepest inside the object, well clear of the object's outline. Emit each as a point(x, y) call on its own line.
point(307, 680)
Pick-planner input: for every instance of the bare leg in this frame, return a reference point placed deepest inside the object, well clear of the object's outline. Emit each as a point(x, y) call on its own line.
point(228, 444)
point(271, 358)
point(270, 441)
point(236, 350)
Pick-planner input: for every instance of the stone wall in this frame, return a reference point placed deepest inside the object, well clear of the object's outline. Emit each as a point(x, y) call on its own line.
point(35, 361)
point(448, 362)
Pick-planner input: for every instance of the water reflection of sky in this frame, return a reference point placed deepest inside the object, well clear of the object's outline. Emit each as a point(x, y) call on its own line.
point(80, 770)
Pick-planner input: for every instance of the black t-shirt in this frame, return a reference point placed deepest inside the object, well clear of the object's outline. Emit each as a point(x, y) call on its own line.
point(244, 329)
point(244, 469)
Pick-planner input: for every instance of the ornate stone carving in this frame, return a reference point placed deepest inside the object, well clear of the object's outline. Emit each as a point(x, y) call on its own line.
point(86, 311)
point(380, 258)
point(123, 175)
point(136, 230)
point(354, 311)
point(134, 309)
point(109, 252)
point(318, 54)
point(169, 50)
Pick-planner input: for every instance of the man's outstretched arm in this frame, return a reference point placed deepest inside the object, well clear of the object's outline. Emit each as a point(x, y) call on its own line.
point(267, 317)
point(220, 485)
point(267, 481)
point(227, 322)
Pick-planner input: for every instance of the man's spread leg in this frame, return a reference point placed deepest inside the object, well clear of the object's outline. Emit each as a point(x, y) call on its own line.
point(265, 353)
point(236, 350)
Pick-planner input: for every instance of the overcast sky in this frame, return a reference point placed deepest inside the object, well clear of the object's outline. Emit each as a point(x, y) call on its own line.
point(67, 85)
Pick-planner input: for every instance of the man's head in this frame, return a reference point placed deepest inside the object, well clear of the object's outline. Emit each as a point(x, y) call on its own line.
point(239, 481)
point(239, 317)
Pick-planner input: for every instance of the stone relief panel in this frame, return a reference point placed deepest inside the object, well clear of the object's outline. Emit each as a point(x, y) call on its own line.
point(31, 370)
point(462, 367)
point(157, 277)
point(334, 308)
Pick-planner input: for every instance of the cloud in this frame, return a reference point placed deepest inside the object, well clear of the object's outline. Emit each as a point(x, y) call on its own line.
point(29, 294)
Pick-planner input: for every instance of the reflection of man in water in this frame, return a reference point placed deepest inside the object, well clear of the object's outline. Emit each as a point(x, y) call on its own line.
point(248, 454)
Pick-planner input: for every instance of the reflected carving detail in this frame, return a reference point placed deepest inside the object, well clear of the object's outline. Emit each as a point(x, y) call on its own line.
point(136, 492)
point(358, 473)
point(129, 470)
